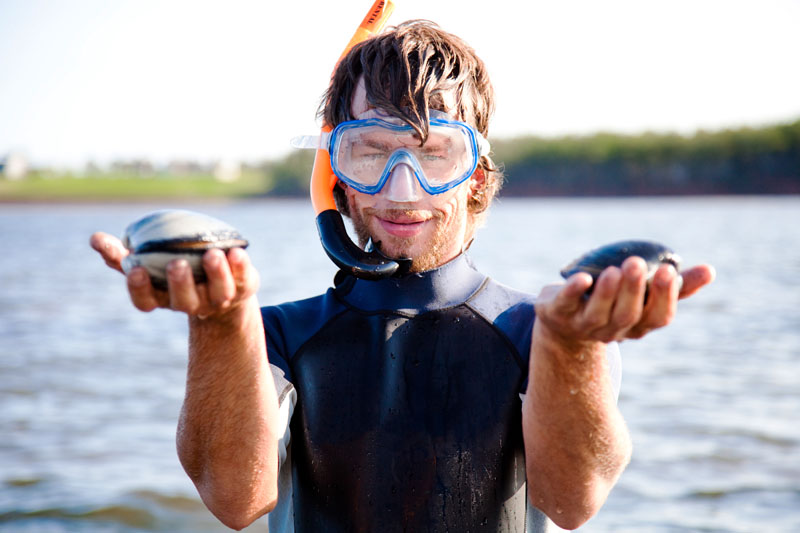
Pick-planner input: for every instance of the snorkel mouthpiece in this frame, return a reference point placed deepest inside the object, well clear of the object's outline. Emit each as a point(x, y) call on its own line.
point(340, 248)
point(347, 256)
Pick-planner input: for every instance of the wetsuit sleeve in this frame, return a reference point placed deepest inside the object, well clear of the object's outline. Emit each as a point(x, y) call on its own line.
point(282, 517)
point(276, 343)
point(286, 327)
point(513, 313)
point(614, 367)
point(287, 395)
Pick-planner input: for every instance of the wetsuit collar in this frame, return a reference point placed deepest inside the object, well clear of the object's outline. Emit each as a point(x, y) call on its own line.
point(446, 286)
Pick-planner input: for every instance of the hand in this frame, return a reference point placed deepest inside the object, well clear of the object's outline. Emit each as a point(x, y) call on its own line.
point(232, 279)
point(617, 308)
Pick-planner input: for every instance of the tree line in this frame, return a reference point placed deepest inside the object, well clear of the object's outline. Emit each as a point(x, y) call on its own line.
point(763, 160)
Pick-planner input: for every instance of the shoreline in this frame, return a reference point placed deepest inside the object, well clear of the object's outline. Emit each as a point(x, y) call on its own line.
point(221, 200)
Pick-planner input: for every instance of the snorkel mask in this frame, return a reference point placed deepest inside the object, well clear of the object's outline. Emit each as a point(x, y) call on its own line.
point(365, 152)
point(340, 248)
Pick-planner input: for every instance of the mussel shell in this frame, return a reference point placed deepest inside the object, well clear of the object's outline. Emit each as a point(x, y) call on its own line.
point(597, 260)
point(162, 236)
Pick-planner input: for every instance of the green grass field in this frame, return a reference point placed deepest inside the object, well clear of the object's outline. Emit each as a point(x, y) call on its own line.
point(49, 186)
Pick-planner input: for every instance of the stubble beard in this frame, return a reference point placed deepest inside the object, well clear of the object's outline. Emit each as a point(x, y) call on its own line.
point(432, 256)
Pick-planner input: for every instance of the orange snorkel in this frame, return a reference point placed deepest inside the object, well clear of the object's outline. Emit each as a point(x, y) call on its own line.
point(332, 232)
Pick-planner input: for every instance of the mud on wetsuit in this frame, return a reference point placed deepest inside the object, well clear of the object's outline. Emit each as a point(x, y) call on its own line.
point(402, 404)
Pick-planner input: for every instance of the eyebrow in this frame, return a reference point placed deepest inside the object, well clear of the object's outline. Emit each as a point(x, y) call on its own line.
point(447, 142)
point(371, 143)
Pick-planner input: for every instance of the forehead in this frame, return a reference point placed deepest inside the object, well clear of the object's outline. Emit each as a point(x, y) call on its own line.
point(360, 105)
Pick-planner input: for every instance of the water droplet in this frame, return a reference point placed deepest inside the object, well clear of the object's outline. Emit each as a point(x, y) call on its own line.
point(573, 391)
point(559, 510)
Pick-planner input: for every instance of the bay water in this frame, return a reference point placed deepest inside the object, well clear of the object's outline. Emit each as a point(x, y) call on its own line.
point(90, 388)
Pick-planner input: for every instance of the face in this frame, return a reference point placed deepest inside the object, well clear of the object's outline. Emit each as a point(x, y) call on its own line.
point(406, 220)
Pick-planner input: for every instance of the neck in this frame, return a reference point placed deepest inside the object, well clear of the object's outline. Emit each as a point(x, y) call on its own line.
point(445, 286)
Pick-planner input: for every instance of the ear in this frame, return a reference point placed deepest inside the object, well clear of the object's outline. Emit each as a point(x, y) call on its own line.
point(477, 182)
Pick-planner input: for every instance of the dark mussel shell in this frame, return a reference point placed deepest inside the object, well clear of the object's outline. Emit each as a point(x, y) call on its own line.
point(162, 236)
point(597, 260)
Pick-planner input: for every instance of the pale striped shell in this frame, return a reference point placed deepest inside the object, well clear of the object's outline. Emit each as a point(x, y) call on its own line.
point(162, 236)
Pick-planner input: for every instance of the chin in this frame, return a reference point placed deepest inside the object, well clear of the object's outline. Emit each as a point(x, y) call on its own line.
point(396, 250)
point(427, 250)
point(423, 257)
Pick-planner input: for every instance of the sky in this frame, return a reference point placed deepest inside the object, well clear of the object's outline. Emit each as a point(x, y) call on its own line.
point(101, 80)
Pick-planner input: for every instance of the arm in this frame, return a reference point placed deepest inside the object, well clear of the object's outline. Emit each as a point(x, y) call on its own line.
point(227, 439)
point(576, 442)
point(227, 435)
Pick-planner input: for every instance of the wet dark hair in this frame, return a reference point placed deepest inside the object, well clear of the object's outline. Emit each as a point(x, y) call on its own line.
point(406, 70)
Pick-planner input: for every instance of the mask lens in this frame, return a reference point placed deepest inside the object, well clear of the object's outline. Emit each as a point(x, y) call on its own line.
point(446, 156)
point(362, 152)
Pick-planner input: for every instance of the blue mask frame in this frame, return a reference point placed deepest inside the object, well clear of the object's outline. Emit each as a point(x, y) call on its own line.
point(479, 147)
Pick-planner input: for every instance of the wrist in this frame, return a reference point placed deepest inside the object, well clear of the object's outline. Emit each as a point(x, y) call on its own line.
point(237, 316)
point(563, 366)
point(565, 346)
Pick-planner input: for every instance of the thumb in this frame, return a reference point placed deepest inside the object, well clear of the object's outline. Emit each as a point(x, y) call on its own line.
point(566, 298)
point(110, 249)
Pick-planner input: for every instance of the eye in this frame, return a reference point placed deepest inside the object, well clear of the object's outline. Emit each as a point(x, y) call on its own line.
point(433, 153)
point(369, 152)
point(370, 148)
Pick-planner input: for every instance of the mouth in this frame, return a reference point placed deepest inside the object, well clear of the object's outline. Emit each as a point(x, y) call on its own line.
point(402, 226)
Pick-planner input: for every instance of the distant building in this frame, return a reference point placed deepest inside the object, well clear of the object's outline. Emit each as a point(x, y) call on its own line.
point(14, 166)
point(139, 167)
point(92, 168)
point(180, 167)
point(228, 170)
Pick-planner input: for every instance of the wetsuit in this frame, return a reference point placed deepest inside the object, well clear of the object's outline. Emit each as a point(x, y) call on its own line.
point(402, 404)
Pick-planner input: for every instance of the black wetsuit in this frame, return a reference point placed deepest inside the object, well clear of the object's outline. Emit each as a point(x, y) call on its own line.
point(408, 407)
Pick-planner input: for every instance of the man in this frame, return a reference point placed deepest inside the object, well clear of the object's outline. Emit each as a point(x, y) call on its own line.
point(397, 405)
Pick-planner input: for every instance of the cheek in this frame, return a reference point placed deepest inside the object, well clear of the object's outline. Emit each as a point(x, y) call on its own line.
point(357, 201)
point(450, 205)
point(454, 206)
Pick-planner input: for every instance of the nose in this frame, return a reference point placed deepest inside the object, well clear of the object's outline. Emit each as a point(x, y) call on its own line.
point(402, 185)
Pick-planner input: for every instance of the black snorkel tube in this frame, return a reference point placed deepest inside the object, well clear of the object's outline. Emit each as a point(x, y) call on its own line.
point(340, 248)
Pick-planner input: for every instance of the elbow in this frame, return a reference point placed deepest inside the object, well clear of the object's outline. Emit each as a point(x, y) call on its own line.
point(238, 522)
point(571, 504)
point(236, 512)
point(234, 500)
point(237, 495)
point(237, 502)
point(572, 513)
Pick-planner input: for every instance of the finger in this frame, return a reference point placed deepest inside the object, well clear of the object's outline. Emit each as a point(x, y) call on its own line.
point(630, 298)
point(110, 248)
point(696, 278)
point(597, 313)
point(244, 274)
point(569, 297)
point(183, 294)
point(142, 293)
point(662, 302)
point(221, 286)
